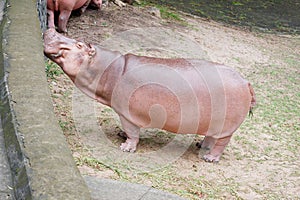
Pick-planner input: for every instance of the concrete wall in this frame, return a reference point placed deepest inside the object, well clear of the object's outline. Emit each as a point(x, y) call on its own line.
point(41, 163)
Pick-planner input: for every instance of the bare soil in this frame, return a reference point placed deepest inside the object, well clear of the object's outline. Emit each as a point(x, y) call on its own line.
point(262, 159)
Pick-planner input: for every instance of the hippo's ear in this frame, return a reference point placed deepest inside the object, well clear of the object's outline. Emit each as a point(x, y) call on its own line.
point(79, 45)
point(92, 50)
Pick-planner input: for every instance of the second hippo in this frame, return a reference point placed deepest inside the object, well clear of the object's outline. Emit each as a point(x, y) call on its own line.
point(64, 8)
point(178, 95)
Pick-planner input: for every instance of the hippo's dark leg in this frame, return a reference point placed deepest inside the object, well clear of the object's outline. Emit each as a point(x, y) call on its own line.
point(216, 152)
point(63, 20)
point(133, 135)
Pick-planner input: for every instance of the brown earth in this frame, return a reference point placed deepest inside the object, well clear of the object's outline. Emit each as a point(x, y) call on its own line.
point(262, 159)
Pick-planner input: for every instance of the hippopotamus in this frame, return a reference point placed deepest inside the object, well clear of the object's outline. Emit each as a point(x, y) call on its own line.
point(64, 8)
point(186, 96)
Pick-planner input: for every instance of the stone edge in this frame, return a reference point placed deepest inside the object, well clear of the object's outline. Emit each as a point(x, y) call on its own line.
point(30, 178)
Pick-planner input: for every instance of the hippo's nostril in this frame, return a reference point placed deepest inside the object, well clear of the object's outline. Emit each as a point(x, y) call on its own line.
point(56, 55)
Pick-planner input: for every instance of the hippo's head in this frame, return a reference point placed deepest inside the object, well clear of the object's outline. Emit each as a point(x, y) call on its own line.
point(68, 53)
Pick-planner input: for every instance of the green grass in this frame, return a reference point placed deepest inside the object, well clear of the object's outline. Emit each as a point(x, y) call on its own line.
point(166, 12)
point(277, 115)
point(96, 164)
point(52, 70)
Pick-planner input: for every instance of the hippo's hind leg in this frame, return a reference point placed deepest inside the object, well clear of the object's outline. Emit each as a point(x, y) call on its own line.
point(207, 143)
point(132, 133)
point(84, 7)
point(217, 150)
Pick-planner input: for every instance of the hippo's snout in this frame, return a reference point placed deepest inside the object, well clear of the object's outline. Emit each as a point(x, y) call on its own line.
point(50, 38)
point(56, 55)
point(55, 44)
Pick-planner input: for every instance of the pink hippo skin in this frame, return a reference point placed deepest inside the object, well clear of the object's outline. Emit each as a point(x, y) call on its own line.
point(177, 95)
point(64, 8)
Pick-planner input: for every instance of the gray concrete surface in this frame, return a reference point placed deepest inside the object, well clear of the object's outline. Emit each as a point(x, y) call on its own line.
point(106, 189)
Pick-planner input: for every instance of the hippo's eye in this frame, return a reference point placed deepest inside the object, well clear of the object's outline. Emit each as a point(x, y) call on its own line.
point(79, 45)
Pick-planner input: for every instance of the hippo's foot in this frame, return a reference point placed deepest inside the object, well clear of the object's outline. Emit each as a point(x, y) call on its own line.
point(217, 149)
point(129, 145)
point(132, 133)
point(211, 158)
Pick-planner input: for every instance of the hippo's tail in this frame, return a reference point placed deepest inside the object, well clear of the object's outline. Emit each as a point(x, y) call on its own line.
point(253, 99)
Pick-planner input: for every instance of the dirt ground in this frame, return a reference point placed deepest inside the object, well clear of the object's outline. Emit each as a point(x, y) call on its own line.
point(261, 161)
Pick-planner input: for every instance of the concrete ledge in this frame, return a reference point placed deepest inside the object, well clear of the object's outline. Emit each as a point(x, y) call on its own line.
point(42, 165)
point(106, 189)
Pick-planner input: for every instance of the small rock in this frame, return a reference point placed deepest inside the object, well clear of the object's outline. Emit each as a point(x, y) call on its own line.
point(119, 3)
point(154, 11)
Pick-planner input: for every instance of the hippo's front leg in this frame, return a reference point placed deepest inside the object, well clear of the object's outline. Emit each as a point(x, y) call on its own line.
point(50, 18)
point(132, 133)
point(63, 20)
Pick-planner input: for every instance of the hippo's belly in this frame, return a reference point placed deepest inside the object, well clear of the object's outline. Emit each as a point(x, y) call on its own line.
point(71, 4)
point(195, 99)
point(155, 106)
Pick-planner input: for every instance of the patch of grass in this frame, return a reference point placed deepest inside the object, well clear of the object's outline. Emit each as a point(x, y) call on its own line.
point(168, 180)
point(64, 125)
point(96, 164)
point(278, 110)
point(52, 70)
point(236, 3)
point(166, 12)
